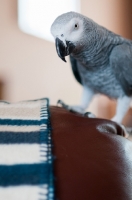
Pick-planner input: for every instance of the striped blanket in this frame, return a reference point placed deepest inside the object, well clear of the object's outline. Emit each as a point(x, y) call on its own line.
point(26, 167)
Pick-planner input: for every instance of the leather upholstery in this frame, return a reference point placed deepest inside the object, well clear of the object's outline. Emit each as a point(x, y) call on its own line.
point(93, 159)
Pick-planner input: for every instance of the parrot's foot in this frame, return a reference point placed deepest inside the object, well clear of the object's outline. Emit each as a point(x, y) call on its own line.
point(129, 130)
point(90, 115)
point(76, 109)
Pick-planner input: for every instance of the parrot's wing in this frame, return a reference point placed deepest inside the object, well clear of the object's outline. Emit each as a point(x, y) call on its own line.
point(121, 61)
point(75, 69)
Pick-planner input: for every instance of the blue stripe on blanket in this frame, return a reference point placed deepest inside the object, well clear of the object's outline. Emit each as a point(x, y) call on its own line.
point(25, 137)
point(34, 174)
point(21, 122)
point(26, 151)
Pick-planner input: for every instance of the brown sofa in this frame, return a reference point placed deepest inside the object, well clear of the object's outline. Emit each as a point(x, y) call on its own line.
point(93, 158)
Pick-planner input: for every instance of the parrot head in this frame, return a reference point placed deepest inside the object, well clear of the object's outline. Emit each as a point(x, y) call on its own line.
point(67, 30)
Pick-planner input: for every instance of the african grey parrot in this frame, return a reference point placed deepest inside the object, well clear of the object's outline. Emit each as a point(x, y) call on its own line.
point(101, 60)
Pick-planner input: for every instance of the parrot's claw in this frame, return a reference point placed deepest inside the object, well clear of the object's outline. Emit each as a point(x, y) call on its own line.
point(75, 109)
point(89, 114)
point(62, 104)
point(129, 130)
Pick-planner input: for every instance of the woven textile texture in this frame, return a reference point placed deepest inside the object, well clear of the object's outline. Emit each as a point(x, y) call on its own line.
point(26, 164)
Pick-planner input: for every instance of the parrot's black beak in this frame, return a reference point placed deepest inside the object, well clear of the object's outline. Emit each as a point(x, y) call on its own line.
point(63, 50)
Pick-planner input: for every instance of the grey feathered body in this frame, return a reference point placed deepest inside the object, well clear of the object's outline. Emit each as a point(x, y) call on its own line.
point(101, 80)
point(101, 60)
point(104, 62)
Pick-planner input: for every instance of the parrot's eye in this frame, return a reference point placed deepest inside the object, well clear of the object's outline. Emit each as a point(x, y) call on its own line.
point(76, 26)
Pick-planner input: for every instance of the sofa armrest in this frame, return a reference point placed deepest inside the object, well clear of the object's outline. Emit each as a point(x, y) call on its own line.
point(93, 159)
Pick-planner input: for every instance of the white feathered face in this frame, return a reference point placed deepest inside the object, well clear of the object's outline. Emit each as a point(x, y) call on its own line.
point(67, 33)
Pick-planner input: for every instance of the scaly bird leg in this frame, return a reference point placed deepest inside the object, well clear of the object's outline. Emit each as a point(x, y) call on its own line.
point(87, 96)
point(123, 105)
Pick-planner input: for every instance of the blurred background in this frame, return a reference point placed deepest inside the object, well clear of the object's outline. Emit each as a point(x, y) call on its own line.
point(29, 65)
